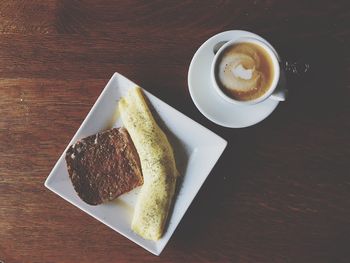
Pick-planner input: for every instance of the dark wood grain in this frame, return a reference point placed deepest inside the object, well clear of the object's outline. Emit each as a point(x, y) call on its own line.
point(280, 192)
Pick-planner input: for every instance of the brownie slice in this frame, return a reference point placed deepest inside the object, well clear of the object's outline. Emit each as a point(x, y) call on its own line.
point(104, 166)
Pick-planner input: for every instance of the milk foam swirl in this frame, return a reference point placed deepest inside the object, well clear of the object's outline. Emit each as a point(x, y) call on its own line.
point(239, 70)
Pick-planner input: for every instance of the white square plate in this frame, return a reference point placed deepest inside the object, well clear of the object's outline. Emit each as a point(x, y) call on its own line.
point(196, 148)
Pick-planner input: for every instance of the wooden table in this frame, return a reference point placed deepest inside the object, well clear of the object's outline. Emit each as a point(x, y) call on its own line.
point(279, 193)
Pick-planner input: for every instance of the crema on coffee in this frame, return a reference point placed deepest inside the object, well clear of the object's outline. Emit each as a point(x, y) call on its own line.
point(244, 71)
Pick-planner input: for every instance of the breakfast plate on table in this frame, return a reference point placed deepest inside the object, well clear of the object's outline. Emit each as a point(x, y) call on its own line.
point(195, 157)
point(209, 102)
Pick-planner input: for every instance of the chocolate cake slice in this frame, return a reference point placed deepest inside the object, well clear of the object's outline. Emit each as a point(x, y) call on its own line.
point(104, 166)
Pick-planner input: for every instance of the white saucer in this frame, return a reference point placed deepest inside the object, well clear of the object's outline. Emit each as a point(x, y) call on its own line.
point(209, 102)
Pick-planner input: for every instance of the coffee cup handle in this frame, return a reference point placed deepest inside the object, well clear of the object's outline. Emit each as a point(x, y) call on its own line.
point(279, 95)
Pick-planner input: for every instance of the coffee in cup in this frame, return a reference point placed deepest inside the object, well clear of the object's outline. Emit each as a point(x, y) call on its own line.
point(245, 71)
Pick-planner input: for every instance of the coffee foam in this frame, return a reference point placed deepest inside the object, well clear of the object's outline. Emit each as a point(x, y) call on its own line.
point(239, 70)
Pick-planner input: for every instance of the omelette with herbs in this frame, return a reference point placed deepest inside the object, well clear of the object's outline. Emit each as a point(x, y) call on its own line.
point(157, 164)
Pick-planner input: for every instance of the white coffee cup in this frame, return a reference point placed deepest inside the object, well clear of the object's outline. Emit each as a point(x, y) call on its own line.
point(271, 93)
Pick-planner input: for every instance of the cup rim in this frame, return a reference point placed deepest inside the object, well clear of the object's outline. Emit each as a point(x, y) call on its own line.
point(275, 63)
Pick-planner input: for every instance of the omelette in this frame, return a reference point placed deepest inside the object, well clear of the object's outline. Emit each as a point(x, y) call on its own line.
point(157, 164)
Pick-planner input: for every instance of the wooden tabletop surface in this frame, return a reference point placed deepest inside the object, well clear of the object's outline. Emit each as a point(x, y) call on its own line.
point(279, 193)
